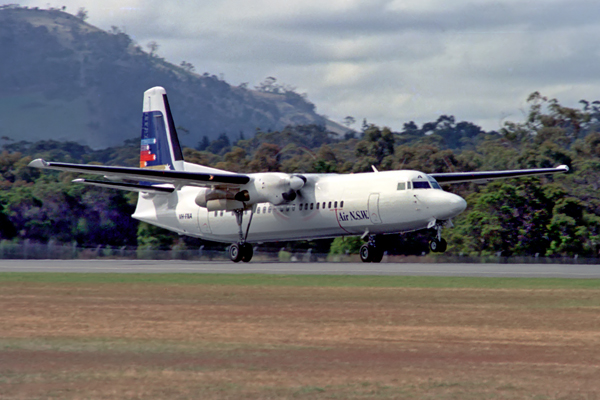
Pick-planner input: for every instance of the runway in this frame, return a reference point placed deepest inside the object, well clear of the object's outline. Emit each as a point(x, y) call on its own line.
point(226, 267)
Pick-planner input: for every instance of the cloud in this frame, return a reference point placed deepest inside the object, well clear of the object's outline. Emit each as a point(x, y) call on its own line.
point(390, 61)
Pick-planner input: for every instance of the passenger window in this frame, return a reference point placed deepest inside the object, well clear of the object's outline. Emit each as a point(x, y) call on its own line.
point(311, 206)
point(409, 185)
point(323, 205)
point(335, 204)
point(216, 212)
point(293, 207)
point(258, 210)
point(318, 205)
point(329, 206)
point(401, 186)
point(342, 204)
point(221, 213)
point(300, 207)
point(265, 210)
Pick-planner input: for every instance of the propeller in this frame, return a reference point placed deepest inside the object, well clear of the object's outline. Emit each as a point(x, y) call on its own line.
point(296, 183)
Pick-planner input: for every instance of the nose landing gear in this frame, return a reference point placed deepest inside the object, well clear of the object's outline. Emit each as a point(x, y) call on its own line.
point(438, 245)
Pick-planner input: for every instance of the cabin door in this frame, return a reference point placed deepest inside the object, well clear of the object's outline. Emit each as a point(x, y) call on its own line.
point(374, 208)
point(203, 220)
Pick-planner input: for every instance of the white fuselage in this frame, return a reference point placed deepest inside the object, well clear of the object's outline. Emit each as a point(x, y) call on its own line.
point(328, 205)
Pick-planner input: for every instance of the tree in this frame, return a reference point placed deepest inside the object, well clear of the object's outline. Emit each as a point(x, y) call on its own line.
point(346, 245)
point(82, 14)
point(269, 85)
point(349, 121)
point(266, 159)
point(377, 145)
point(153, 47)
point(220, 145)
point(187, 66)
point(203, 143)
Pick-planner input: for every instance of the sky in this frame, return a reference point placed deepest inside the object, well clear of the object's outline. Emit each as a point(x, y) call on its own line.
point(389, 61)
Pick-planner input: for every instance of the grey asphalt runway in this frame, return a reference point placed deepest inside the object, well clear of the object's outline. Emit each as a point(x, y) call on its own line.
point(209, 267)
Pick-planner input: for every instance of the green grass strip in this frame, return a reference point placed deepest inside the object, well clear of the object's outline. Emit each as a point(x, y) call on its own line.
point(302, 280)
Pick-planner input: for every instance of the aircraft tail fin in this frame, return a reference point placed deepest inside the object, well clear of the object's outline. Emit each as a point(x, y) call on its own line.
point(160, 147)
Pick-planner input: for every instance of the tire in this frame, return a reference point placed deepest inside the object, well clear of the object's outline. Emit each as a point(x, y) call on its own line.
point(365, 253)
point(434, 246)
point(443, 246)
point(376, 254)
point(235, 252)
point(247, 252)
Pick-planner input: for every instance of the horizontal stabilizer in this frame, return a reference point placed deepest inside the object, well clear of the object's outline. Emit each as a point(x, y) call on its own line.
point(177, 178)
point(132, 187)
point(486, 176)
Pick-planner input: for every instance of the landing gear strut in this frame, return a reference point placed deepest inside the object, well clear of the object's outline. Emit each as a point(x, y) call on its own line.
point(438, 245)
point(370, 252)
point(241, 251)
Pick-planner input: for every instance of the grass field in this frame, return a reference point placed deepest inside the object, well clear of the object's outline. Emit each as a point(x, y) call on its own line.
point(188, 336)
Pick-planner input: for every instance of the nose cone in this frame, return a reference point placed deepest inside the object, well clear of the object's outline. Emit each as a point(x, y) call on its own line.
point(457, 205)
point(446, 205)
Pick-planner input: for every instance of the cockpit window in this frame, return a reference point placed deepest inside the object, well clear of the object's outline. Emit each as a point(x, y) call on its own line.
point(434, 183)
point(421, 185)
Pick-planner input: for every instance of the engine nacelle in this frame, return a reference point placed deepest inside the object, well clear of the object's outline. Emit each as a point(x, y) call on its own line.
point(205, 196)
point(217, 200)
point(223, 204)
point(274, 187)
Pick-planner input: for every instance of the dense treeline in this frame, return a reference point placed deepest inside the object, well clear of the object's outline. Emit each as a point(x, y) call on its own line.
point(548, 216)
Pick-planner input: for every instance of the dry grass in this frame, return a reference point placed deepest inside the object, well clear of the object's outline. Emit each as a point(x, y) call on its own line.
point(133, 341)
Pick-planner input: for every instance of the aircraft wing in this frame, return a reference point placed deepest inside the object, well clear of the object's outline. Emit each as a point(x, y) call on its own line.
point(487, 176)
point(177, 178)
point(132, 187)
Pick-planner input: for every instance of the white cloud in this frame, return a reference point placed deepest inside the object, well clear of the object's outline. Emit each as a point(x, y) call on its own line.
point(390, 61)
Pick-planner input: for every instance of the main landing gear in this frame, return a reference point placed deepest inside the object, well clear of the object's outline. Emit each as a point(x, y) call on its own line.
point(241, 251)
point(438, 245)
point(370, 252)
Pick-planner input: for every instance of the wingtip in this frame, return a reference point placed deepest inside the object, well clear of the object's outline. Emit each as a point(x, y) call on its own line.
point(563, 168)
point(38, 163)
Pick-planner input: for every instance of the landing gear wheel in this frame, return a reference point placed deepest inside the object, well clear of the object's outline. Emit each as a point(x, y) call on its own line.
point(236, 253)
point(365, 253)
point(438, 246)
point(433, 245)
point(443, 245)
point(247, 252)
point(370, 253)
point(376, 255)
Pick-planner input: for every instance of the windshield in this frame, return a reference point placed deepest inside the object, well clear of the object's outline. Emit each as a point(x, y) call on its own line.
point(434, 183)
point(421, 185)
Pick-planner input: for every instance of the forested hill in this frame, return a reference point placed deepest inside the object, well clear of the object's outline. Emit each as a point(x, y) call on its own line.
point(64, 79)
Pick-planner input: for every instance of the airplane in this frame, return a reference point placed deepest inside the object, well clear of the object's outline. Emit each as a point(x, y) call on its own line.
point(224, 206)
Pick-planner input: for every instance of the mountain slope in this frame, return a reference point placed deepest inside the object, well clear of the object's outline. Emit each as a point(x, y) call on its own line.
point(61, 78)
